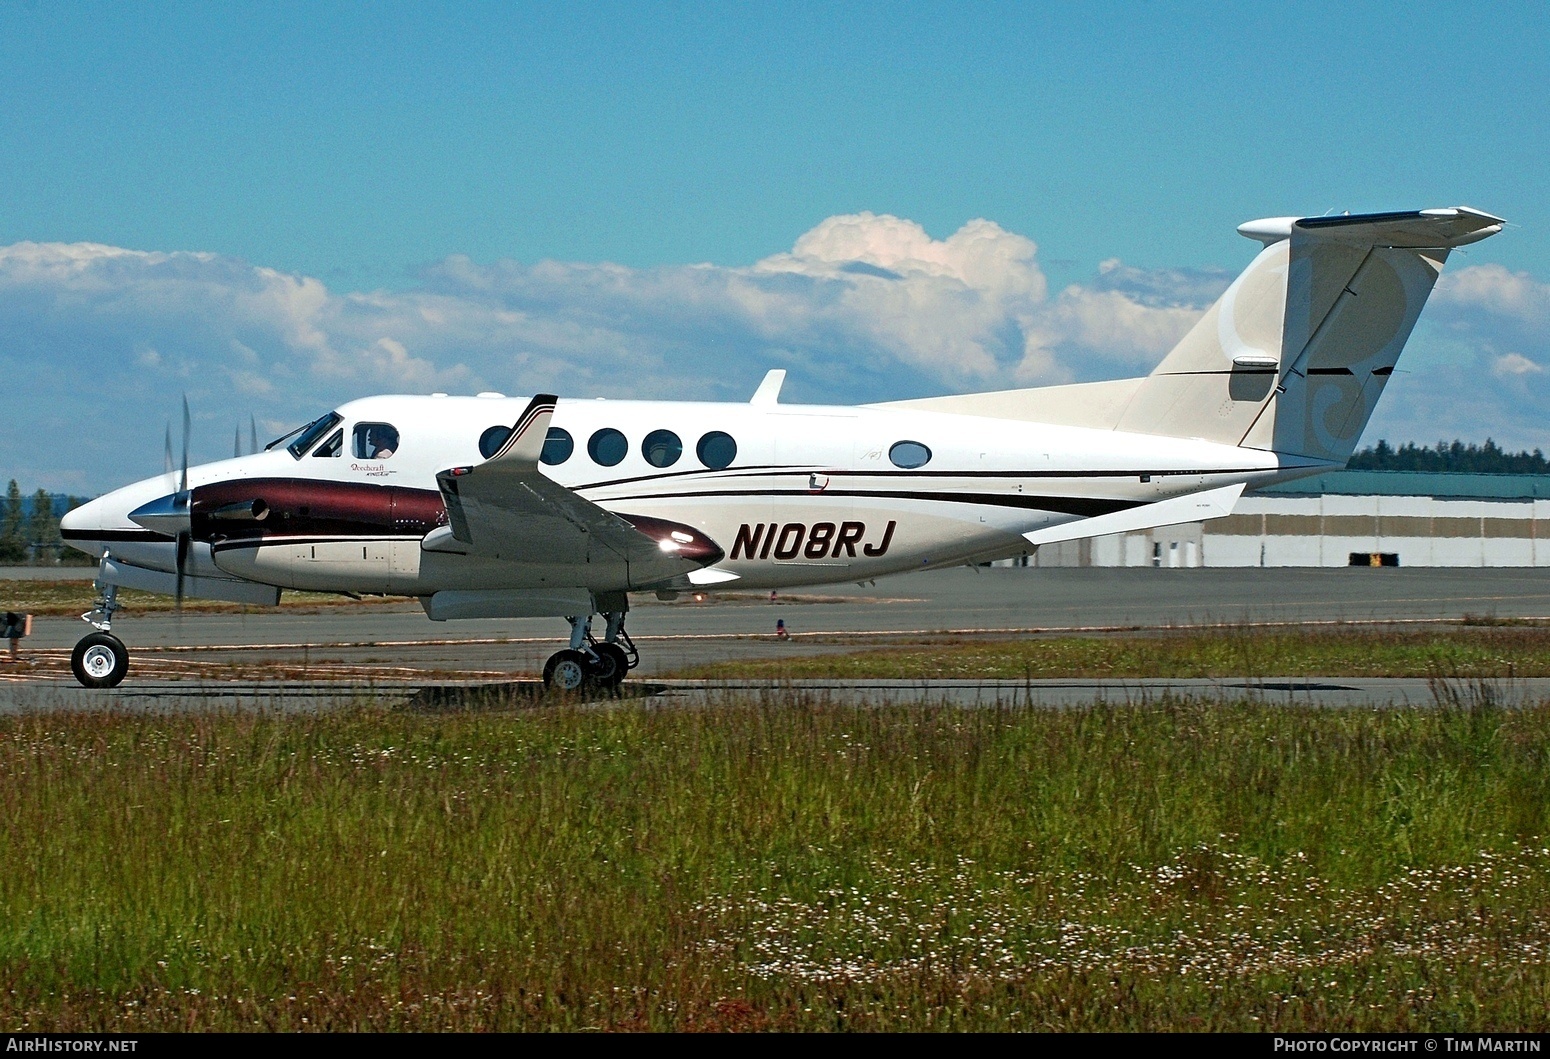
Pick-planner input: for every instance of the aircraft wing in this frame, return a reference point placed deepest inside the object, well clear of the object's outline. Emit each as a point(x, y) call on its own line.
point(507, 509)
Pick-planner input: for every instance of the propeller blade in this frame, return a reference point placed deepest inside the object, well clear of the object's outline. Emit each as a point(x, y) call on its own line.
point(183, 484)
point(169, 465)
point(185, 540)
point(252, 433)
point(236, 443)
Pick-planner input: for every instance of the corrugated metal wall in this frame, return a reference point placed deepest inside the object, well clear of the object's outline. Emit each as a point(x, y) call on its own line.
point(1284, 528)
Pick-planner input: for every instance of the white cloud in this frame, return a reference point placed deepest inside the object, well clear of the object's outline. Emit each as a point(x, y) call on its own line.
point(97, 342)
point(1475, 365)
point(1515, 364)
point(1495, 290)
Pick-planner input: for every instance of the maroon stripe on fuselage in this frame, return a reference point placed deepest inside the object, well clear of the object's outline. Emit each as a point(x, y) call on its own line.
point(295, 506)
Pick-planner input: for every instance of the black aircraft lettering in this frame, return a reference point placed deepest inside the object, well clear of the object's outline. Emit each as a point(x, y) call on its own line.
point(747, 543)
point(793, 532)
point(882, 549)
point(823, 541)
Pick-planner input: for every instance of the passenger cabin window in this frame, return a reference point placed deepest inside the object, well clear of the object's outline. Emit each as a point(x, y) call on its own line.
point(374, 441)
point(558, 445)
point(333, 446)
point(607, 447)
point(909, 455)
point(491, 440)
point(661, 448)
point(716, 450)
point(310, 434)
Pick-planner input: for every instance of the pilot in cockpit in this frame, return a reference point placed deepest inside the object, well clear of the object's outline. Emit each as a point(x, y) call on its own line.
point(381, 441)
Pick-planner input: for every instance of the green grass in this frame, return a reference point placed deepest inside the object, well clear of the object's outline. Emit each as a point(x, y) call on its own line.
point(1244, 651)
point(779, 862)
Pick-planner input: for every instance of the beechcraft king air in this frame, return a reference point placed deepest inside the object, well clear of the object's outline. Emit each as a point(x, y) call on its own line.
point(489, 506)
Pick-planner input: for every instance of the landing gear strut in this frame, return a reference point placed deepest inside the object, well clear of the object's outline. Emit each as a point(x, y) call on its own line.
point(101, 660)
point(592, 662)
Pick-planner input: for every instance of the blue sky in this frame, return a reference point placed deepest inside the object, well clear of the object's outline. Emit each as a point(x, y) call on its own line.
point(419, 152)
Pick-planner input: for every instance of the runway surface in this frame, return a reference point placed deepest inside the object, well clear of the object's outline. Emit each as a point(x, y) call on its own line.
point(335, 654)
point(188, 696)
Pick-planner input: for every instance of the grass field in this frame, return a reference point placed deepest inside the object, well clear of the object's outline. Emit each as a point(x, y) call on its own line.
point(1496, 650)
point(779, 862)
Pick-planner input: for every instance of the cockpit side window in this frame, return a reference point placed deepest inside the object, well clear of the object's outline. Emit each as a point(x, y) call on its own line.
point(310, 434)
point(374, 441)
point(333, 446)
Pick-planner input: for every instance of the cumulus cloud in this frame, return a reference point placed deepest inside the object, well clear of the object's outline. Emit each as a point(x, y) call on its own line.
point(97, 342)
point(1515, 364)
point(1493, 289)
point(1475, 365)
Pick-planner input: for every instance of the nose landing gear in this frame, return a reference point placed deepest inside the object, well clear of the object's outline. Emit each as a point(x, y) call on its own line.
point(589, 662)
point(100, 659)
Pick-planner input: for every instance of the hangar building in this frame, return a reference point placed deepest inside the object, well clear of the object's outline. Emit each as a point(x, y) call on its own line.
point(1344, 518)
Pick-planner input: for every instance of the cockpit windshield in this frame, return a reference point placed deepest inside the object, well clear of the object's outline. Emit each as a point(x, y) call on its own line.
point(308, 435)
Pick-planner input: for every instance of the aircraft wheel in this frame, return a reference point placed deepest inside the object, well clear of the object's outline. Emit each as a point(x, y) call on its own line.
point(611, 665)
point(100, 660)
point(565, 671)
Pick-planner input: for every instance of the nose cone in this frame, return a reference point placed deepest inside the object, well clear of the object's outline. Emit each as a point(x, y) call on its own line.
point(78, 519)
point(88, 527)
point(166, 514)
point(107, 517)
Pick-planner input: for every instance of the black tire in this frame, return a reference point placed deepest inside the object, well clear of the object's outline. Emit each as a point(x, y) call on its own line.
point(566, 671)
point(610, 666)
point(100, 660)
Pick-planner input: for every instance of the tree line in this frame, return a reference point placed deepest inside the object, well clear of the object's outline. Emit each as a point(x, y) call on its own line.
point(29, 529)
point(1449, 458)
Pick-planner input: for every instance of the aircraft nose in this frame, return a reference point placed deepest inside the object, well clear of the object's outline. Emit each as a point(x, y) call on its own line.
point(86, 517)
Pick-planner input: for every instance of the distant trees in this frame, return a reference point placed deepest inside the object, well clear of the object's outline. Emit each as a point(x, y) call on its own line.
point(43, 527)
point(13, 544)
point(1449, 458)
point(29, 528)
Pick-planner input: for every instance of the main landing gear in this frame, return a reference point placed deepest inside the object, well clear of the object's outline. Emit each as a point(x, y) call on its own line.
point(589, 662)
point(101, 660)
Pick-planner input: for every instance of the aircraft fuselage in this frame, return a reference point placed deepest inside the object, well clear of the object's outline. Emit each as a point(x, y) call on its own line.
point(812, 494)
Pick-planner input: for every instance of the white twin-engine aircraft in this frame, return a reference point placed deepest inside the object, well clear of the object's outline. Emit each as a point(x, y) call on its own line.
point(490, 507)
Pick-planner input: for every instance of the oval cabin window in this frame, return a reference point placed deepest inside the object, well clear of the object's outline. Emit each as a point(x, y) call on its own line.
point(661, 448)
point(491, 440)
point(909, 455)
point(607, 447)
point(557, 446)
point(716, 450)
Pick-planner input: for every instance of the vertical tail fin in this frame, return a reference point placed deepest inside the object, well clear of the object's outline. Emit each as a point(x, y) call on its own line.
point(1294, 355)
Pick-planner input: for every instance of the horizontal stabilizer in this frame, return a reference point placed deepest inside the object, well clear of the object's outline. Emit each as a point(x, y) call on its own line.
point(1195, 507)
point(1411, 229)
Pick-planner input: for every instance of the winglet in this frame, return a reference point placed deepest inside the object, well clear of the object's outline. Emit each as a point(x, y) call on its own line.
point(530, 431)
point(768, 392)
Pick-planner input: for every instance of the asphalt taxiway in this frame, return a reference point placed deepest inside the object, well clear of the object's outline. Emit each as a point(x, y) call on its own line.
point(334, 654)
